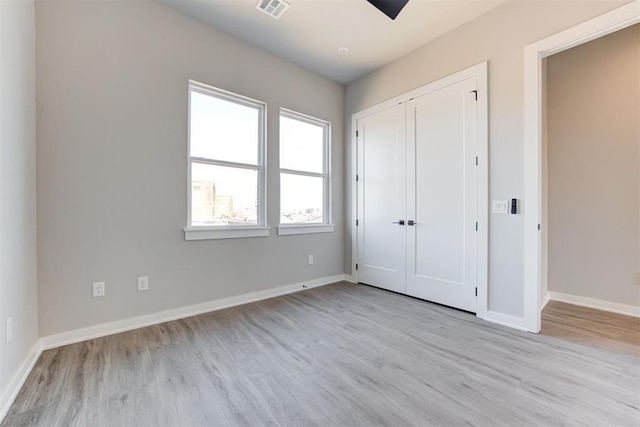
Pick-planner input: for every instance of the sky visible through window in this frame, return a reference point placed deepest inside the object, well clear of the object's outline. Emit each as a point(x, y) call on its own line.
point(226, 131)
point(301, 149)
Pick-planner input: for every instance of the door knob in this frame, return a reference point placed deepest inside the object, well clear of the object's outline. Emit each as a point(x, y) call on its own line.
point(400, 222)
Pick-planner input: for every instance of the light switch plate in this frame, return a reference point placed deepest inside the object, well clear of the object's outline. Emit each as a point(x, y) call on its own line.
point(500, 206)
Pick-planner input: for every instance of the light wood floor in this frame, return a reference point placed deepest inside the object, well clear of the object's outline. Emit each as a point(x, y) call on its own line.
point(343, 355)
point(591, 327)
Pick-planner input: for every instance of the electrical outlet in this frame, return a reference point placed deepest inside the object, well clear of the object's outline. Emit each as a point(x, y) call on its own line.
point(9, 330)
point(143, 283)
point(98, 289)
point(310, 260)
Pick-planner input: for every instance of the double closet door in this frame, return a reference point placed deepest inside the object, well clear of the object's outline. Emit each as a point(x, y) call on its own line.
point(417, 194)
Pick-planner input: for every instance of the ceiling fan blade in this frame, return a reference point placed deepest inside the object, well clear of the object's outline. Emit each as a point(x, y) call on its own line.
point(391, 8)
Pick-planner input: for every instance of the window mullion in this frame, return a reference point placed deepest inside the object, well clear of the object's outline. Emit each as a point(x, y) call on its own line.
point(303, 173)
point(213, 162)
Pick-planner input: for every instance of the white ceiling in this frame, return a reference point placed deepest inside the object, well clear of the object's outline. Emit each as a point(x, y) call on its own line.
point(310, 32)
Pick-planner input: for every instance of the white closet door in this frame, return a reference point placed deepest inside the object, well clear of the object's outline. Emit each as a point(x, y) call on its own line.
point(442, 196)
point(382, 199)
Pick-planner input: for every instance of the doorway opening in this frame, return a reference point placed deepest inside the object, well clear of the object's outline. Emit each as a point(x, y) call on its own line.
point(535, 263)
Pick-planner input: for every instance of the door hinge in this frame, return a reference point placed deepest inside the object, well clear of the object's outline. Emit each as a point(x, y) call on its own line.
point(476, 160)
point(357, 178)
point(357, 134)
point(539, 227)
point(357, 222)
point(476, 291)
point(476, 225)
point(475, 92)
point(356, 267)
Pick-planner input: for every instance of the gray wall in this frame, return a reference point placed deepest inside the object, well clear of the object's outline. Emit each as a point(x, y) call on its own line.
point(18, 281)
point(112, 127)
point(593, 100)
point(499, 37)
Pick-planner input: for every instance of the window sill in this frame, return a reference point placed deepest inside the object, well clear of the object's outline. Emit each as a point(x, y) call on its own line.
point(286, 230)
point(225, 233)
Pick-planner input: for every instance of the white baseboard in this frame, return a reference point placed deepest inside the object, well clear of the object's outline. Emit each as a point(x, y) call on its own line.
point(612, 307)
point(116, 327)
point(505, 320)
point(545, 301)
point(12, 390)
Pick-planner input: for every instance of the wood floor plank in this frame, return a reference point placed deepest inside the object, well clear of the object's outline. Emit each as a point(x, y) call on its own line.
point(596, 327)
point(343, 355)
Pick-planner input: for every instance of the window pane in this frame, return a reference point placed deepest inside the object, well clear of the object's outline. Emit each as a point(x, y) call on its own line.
point(223, 130)
point(223, 195)
point(301, 145)
point(301, 199)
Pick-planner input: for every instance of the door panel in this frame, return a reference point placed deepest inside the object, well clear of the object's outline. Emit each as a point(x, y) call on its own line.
point(442, 192)
point(382, 199)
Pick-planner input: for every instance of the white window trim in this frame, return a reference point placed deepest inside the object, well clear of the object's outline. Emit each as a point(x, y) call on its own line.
point(289, 229)
point(260, 229)
point(326, 226)
point(211, 233)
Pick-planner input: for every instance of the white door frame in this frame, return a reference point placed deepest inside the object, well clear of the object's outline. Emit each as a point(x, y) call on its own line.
point(480, 71)
point(608, 23)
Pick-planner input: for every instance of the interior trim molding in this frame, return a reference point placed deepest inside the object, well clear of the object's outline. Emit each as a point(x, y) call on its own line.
point(505, 320)
point(598, 304)
point(9, 394)
point(97, 331)
point(545, 301)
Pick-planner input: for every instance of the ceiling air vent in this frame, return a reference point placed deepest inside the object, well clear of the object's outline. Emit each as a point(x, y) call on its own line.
point(273, 8)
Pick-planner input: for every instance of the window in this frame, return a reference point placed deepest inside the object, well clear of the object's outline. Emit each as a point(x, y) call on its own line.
point(226, 165)
point(304, 174)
